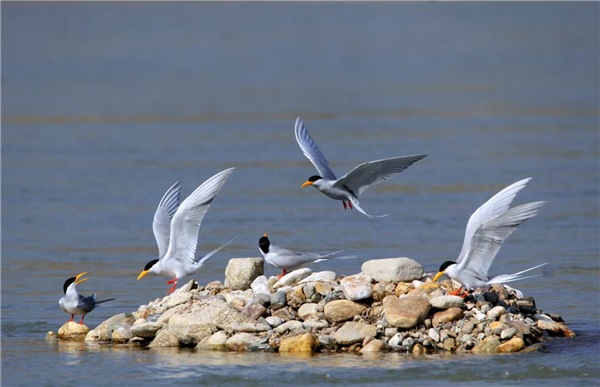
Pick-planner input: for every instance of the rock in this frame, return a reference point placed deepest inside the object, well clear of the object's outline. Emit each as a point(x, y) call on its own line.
point(292, 278)
point(491, 297)
point(313, 323)
point(342, 310)
point(241, 272)
point(418, 349)
point(164, 318)
point(354, 332)
point(286, 313)
point(326, 341)
point(250, 326)
point(393, 269)
point(508, 333)
point(447, 316)
point(445, 302)
point(526, 305)
point(356, 287)
point(566, 331)
point(291, 325)
point(301, 343)
point(274, 321)
point(396, 341)
point(278, 300)
point(146, 330)
point(73, 331)
point(308, 290)
point(468, 327)
point(495, 312)
point(295, 297)
point(216, 342)
point(374, 346)
point(173, 300)
point(406, 312)
point(520, 327)
point(487, 345)
point(513, 345)
point(164, 338)
point(424, 290)
point(320, 276)
point(242, 341)
point(390, 332)
point(260, 285)
point(501, 291)
point(434, 334)
point(408, 344)
point(380, 290)
point(122, 333)
point(307, 311)
point(449, 344)
point(403, 288)
point(103, 332)
point(253, 311)
point(322, 289)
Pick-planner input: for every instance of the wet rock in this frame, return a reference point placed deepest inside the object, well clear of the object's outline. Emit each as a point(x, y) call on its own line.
point(320, 276)
point(260, 285)
point(491, 297)
point(242, 341)
point(356, 287)
point(241, 272)
point(216, 342)
point(295, 297)
point(513, 345)
point(73, 331)
point(342, 310)
point(566, 331)
point(274, 321)
point(418, 349)
point(393, 269)
point(445, 302)
point(526, 305)
point(405, 313)
point(487, 345)
point(103, 332)
point(374, 346)
point(449, 344)
point(164, 338)
point(447, 315)
point(307, 311)
point(292, 278)
point(146, 330)
point(402, 288)
point(278, 300)
point(122, 333)
point(408, 344)
point(300, 343)
point(253, 311)
point(354, 332)
point(326, 341)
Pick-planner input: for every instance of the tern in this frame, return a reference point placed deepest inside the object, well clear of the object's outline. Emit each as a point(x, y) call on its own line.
point(285, 259)
point(487, 229)
point(74, 303)
point(348, 187)
point(176, 230)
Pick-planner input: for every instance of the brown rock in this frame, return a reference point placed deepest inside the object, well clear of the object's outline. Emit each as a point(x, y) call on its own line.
point(354, 332)
point(449, 344)
point(406, 312)
point(342, 310)
point(253, 311)
point(295, 298)
point(73, 331)
point(301, 343)
point(381, 289)
point(164, 338)
point(374, 346)
point(418, 349)
point(402, 288)
point(487, 345)
point(566, 331)
point(447, 315)
point(513, 345)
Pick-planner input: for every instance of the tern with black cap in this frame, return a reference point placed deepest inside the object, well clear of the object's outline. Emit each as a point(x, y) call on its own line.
point(73, 302)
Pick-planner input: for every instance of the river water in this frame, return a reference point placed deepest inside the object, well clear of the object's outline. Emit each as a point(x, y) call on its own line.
point(105, 105)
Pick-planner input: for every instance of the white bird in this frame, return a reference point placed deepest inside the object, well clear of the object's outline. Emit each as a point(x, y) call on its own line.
point(74, 303)
point(285, 259)
point(348, 187)
point(177, 238)
point(487, 229)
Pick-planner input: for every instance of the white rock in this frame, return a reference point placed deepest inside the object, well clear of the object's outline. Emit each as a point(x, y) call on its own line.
point(241, 272)
point(260, 285)
point(445, 302)
point(393, 269)
point(274, 321)
point(291, 325)
point(357, 287)
point(396, 341)
point(320, 276)
point(434, 334)
point(496, 312)
point(307, 311)
point(292, 278)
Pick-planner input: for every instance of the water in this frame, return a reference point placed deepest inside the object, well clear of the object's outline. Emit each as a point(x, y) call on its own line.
point(106, 105)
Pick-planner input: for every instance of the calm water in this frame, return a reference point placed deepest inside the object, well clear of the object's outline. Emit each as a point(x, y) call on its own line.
point(106, 105)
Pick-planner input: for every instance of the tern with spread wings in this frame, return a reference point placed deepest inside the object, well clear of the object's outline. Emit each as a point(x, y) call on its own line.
point(348, 187)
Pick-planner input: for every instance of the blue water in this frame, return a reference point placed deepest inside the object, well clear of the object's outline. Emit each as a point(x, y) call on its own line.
point(105, 105)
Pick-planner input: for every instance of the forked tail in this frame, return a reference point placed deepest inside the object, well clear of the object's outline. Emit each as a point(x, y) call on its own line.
point(503, 278)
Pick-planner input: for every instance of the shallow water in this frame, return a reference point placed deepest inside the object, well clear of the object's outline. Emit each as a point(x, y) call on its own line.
point(106, 105)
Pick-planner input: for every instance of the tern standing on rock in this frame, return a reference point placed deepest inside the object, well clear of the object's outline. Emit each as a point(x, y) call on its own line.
point(285, 259)
point(487, 229)
point(177, 238)
point(73, 302)
point(348, 187)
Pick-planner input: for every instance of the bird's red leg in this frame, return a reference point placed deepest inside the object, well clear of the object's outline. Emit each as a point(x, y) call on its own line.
point(174, 282)
point(71, 318)
point(282, 273)
point(350, 204)
point(82, 316)
point(344, 203)
point(456, 292)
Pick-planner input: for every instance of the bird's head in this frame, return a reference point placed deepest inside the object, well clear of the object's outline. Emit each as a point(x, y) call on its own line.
point(443, 268)
point(312, 180)
point(264, 243)
point(74, 280)
point(148, 268)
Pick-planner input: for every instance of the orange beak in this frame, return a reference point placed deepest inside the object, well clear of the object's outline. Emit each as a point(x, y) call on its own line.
point(438, 275)
point(78, 281)
point(265, 234)
point(307, 183)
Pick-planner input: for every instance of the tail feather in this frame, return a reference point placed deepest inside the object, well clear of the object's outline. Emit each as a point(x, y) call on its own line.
point(200, 262)
point(103, 301)
point(503, 278)
point(330, 257)
point(356, 205)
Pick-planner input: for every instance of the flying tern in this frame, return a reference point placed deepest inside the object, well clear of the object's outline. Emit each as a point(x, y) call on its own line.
point(285, 259)
point(73, 302)
point(487, 229)
point(176, 230)
point(348, 187)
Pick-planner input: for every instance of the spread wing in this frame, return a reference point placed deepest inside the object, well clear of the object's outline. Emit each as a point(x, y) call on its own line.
point(489, 237)
point(311, 151)
point(186, 221)
point(497, 205)
point(161, 225)
point(370, 173)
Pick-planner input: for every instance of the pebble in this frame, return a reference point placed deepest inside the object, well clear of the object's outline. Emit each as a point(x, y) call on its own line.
point(495, 312)
point(307, 311)
point(293, 277)
point(392, 269)
point(260, 285)
point(354, 332)
point(320, 276)
point(278, 300)
point(342, 310)
point(301, 343)
point(356, 287)
point(405, 313)
point(434, 334)
point(274, 321)
point(445, 302)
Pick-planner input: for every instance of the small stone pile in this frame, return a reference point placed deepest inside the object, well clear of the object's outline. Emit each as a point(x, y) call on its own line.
point(391, 305)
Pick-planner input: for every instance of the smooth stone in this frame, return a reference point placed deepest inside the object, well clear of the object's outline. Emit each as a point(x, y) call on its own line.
point(307, 311)
point(393, 269)
point(320, 276)
point(434, 334)
point(103, 332)
point(274, 321)
point(278, 300)
point(295, 297)
point(487, 345)
point(513, 345)
point(73, 330)
point(165, 317)
point(292, 325)
point(396, 341)
point(408, 343)
point(260, 285)
point(323, 289)
point(508, 333)
point(491, 297)
point(521, 327)
point(447, 315)
point(164, 338)
point(242, 341)
point(121, 334)
point(468, 327)
point(250, 327)
point(173, 300)
point(356, 287)
point(308, 290)
point(253, 311)
point(445, 302)
point(354, 332)
point(496, 312)
point(313, 323)
point(146, 330)
point(241, 272)
point(286, 314)
point(380, 290)
point(342, 310)
point(292, 278)
point(374, 346)
point(216, 342)
point(449, 344)
point(326, 341)
point(418, 349)
point(403, 288)
point(390, 332)
point(300, 343)
point(406, 312)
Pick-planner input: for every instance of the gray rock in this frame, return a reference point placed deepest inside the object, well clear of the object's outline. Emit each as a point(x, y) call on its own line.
point(165, 317)
point(468, 327)
point(260, 285)
point(342, 310)
point(321, 276)
point(146, 330)
point(250, 327)
point(253, 311)
point(390, 332)
point(307, 311)
point(445, 302)
point(291, 325)
point(408, 343)
point(308, 290)
point(508, 333)
point(354, 332)
point(406, 312)
point(122, 333)
point(164, 338)
point(218, 342)
point(326, 341)
point(242, 341)
point(274, 321)
point(496, 312)
point(393, 270)
point(278, 300)
point(292, 278)
point(241, 272)
point(356, 287)
point(313, 323)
